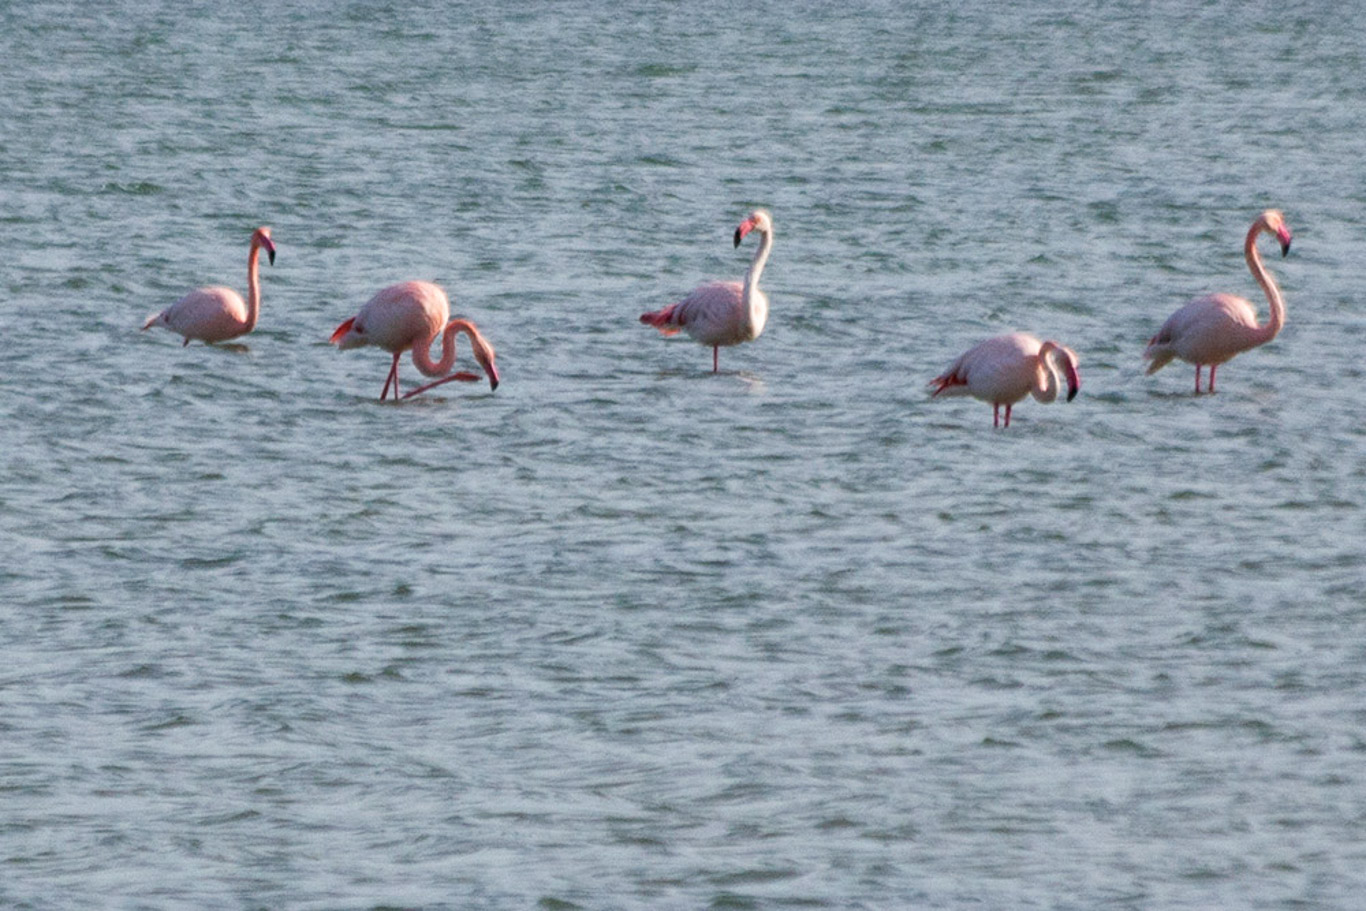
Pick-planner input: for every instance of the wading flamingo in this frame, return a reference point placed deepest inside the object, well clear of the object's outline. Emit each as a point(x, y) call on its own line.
point(723, 313)
point(1212, 329)
point(217, 314)
point(1004, 369)
point(411, 315)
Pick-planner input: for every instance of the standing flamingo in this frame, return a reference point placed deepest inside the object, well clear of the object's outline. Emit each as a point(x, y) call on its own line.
point(1004, 369)
point(411, 315)
point(217, 314)
point(723, 313)
point(1212, 329)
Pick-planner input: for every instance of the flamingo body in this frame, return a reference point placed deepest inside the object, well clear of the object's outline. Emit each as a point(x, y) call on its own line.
point(216, 313)
point(410, 316)
point(723, 313)
point(1005, 369)
point(1212, 329)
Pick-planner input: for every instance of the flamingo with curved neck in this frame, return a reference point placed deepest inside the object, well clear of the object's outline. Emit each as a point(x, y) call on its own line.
point(411, 315)
point(1004, 369)
point(1212, 329)
point(216, 314)
point(723, 312)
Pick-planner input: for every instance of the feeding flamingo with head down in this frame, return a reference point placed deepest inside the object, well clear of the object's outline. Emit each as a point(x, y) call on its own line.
point(410, 315)
point(1004, 369)
point(216, 314)
point(723, 313)
point(1212, 329)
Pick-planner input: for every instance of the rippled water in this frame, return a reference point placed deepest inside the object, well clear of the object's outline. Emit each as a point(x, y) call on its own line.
point(625, 633)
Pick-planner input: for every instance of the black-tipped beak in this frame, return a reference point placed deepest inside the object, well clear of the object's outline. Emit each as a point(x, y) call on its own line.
point(738, 234)
point(1073, 382)
point(1285, 248)
point(1071, 393)
point(270, 255)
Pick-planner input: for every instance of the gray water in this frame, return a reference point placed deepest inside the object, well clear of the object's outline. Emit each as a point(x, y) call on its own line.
point(624, 633)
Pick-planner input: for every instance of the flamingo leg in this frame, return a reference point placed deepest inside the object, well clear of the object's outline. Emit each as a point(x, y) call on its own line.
point(1197, 379)
point(391, 378)
point(462, 376)
point(1008, 407)
point(1211, 376)
point(715, 354)
point(995, 415)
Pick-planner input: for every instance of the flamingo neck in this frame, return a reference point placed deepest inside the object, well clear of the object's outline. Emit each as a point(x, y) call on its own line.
point(253, 288)
point(1054, 362)
point(422, 354)
point(1047, 381)
point(1267, 332)
point(753, 300)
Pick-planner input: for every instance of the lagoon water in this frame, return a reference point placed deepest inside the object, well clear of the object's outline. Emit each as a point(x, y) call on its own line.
point(624, 633)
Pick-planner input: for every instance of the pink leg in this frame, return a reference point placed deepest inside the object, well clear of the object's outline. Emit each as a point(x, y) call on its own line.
point(995, 415)
point(1008, 407)
point(1197, 379)
point(463, 377)
point(1212, 368)
point(714, 355)
point(391, 378)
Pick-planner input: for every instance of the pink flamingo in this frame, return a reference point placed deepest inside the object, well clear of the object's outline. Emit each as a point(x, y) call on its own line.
point(1212, 329)
point(723, 313)
point(217, 314)
point(1004, 369)
point(411, 315)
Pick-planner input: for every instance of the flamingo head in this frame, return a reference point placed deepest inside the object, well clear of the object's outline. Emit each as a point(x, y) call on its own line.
point(1070, 372)
point(261, 239)
point(1274, 223)
point(758, 219)
point(483, 353)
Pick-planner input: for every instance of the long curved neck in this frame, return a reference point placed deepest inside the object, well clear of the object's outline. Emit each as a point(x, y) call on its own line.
point(1047, 381)
point(253, 287)
point(1267, 332)
point(754, 302)
point(756, 267)
point(422, 354)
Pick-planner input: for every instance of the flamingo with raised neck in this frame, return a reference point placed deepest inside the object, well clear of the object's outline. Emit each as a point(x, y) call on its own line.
point(216, 313)
point(1212, 329)
point(723, 312)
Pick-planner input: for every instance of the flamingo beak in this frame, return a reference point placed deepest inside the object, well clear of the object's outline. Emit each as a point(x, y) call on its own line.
point(1284, 236)
point(745, 227)
point(270, 250)
point(1073, 380)
point(492, 372)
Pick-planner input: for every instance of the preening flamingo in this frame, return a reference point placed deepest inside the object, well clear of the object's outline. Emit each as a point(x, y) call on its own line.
point(1212, 329)
point(217, 314)
point(723, 313)
point(1004, 369)
point(411, 315)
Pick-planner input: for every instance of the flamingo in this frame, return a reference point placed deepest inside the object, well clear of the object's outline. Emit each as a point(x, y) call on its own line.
point(411, 315)
point(1212, 329)
point(723, 313)
point(217, 314)
point(1004, 369)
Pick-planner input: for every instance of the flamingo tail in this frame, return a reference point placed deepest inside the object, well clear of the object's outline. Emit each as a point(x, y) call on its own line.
point(945, 383)
point(663, 320)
